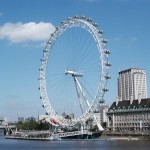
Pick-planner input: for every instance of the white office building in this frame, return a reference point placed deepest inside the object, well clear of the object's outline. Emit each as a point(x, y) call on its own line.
point(101, 114)
point(132, 84)
point(130, 115)
point(103, 110)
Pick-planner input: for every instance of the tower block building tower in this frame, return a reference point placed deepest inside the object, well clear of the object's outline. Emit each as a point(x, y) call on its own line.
point(132, 84)
point(131, 110)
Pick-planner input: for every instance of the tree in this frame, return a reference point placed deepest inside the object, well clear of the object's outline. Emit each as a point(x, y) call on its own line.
point(32, 124)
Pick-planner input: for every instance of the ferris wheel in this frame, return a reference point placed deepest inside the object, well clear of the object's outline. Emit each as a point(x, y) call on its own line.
point(74, 71)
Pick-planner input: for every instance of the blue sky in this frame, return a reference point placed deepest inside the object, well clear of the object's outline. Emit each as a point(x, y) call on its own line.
point(25, 25)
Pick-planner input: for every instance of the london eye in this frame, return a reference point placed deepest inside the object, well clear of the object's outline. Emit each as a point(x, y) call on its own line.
point(74, 71)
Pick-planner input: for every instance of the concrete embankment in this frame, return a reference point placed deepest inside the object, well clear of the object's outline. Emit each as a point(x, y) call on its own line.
point(125, 136)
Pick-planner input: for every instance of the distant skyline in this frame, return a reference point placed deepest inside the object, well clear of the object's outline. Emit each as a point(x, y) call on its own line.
point(26, 25)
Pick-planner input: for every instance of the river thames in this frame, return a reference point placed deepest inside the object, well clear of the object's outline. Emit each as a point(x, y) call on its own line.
point(101, 144)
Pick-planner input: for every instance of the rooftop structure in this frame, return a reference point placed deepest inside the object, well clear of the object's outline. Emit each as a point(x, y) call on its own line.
point(132, 84)
point(130, 115)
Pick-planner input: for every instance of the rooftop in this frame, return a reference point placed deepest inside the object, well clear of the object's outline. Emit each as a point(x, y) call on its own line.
point(125, 105)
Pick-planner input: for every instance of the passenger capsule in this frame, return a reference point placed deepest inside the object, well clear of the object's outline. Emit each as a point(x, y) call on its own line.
point(107, 51)
point(40, 78)
point(89, 19)
point(105, 89)
point(46, 113)
point(107, 63)
point(52, 34)
point(107, 76)
point(62, 22)
point(83, 17)
point(57, 28)
point(76, 17)
point(95, 24)
point(41, 69)
point(48, 42)
point(100, 31)
point(45, 50)
point(69, 18)
point(102, 101)
point(104, 41)
point(42, 60)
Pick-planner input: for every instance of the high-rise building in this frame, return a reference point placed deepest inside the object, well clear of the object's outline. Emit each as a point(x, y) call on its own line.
point(103, 110)
point(132, 84)
point(101, 113)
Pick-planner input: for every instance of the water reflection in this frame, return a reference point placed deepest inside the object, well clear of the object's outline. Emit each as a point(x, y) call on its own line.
point(7, 144)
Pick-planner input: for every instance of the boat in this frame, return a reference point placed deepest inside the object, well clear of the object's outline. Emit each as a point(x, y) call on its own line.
point(26, 138)
point(53, 136)
point(77, 135)
point(29, 135)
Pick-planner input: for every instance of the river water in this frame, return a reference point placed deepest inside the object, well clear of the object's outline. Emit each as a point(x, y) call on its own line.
point(101, 144)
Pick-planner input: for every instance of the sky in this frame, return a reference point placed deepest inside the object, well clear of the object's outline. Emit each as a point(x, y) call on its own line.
point(25, 26)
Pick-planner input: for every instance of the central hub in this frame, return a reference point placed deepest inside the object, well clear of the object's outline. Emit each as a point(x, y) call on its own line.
point(73, 73)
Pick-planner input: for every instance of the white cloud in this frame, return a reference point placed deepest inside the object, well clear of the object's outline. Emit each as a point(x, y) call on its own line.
point(23, 32)
point(133, 39)
point(1, 14)
point(117, 38)
point(127, 39)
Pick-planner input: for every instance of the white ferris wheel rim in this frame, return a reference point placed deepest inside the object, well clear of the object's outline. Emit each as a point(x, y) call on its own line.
point(85, 23)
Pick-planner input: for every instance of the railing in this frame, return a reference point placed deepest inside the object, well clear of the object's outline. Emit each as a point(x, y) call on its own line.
point(67, 134)
point(7, 126)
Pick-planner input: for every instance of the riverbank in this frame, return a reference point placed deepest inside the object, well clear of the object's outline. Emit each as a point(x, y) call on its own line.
point(46, 135)
point(124, 136)
point(119, 138)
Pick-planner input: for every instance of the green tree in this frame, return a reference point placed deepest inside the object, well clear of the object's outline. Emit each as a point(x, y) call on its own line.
point(32, 124)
